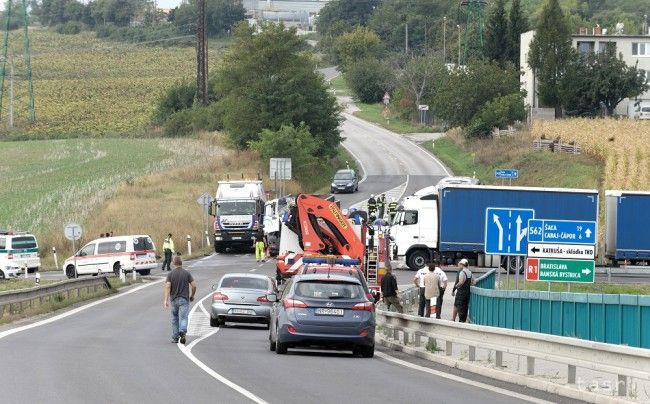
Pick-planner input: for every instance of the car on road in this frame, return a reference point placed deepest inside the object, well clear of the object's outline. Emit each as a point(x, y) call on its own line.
point(644, 112)
point(323, 311)
point(336, 269)
point(109, 254)
point(242, 298)
point(345, 181)
point(18, 250)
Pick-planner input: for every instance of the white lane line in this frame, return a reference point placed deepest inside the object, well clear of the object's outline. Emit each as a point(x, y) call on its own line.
point(252, 270)
point(75, 311)
point(363, 168)
point(459, 379)
point(187, 351)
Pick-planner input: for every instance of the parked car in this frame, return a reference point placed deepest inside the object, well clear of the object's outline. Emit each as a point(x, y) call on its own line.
point(345, 181)
point(109, 254)
point(644, 112)
point(242, 298)
point(18, 250)
point(324, 311)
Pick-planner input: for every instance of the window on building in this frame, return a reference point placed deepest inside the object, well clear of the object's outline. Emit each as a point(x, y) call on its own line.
point(606, 46)
point(586, 47)
point(641, 49)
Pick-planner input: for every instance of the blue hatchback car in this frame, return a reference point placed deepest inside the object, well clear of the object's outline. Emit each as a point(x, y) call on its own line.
point(323, 311)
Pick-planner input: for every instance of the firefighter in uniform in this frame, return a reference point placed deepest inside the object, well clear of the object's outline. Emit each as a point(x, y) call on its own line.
point(392, 209)
point(372, 205)
point(168, 249)
point(381, 205)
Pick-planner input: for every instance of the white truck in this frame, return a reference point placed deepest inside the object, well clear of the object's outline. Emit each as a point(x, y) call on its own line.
point(238, 209)
point(274, 210)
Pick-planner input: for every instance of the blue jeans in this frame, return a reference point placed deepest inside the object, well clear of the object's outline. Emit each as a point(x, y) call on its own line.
point(180, 311)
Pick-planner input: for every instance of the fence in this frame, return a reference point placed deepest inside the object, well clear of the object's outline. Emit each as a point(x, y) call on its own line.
point(13, 302)
point(614, 319)
point(556, 146)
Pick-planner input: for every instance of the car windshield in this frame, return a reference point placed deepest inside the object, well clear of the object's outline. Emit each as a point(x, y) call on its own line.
point(23, 242)
point(328, 289)
point(235, 208)
point(142, 244)
point(343, 176)
point(242, 282)
point(645, 109)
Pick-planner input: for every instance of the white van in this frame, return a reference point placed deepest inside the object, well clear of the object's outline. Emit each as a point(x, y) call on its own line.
point(18, 250)
point(105, 255)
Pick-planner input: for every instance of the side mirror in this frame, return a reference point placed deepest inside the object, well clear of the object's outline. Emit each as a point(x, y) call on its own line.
point(211, 209)
point(272, 297)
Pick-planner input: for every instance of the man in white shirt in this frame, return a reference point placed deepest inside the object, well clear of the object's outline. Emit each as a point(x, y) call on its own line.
point(418, 281)
point(443, 285)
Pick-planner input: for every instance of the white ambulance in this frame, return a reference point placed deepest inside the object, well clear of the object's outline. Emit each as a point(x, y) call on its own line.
point(18, 252)
point(108, 254)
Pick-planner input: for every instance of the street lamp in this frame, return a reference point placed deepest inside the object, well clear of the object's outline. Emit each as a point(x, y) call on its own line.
point(458, 26)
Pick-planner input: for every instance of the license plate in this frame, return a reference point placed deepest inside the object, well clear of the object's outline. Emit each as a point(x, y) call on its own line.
point(26, 255)
point(236, 238)
point(242, 311)
point(329, 312)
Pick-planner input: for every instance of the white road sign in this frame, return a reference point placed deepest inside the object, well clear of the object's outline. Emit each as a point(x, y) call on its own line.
point(204, 200)
point(280, 168)
point(564, 251)
point(72, 231)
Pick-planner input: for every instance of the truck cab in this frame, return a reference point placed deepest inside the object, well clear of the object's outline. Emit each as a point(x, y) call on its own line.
point(415, 230)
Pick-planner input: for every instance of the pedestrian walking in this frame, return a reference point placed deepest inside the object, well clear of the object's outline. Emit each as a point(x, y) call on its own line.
point(177, 292)
point(392, 209)
point(381, 206)
point(259, 246)
point(168, 249)
point(442, 276)
point(389, 291)
point(431, 289)
point(372, 205)
point(418, 281)
point(462, 290)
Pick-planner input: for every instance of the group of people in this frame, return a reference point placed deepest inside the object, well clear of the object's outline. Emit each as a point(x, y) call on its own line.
point(377, 207)
point(107, 234)
point(432, 283)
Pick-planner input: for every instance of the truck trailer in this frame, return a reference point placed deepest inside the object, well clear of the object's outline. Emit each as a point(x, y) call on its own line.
point(451, 221)
point(627, 220)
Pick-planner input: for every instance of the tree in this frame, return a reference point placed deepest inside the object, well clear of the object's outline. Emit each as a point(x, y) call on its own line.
point(420, 76)
point(265, 81)
point(294, 142)
point(370, 79)
point(549, 51)
point(496, 35)
point(222, 16)
point(517, 25)
point(350, 13)
point(359, 44)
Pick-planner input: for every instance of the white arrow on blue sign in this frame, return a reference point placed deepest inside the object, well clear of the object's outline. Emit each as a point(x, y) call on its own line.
point(506, 230)
point(506, 173)
point(562, 231)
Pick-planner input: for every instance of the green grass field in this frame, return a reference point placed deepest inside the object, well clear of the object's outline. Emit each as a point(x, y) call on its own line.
point(84, 86)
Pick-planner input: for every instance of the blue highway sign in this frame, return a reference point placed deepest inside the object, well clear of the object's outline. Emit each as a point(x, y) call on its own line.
point(506, 230)
point(506, 173)
point(562, 231)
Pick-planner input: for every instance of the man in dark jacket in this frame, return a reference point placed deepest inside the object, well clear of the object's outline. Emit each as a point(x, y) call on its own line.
point(389, 291)
point(177, 292)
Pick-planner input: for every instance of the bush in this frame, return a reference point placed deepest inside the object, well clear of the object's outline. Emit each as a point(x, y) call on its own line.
point(179, 124)
point(296, 143)
point(369, 79)
point(498, 113)
point(69, 28)
point(188, 121)
point(178, 97)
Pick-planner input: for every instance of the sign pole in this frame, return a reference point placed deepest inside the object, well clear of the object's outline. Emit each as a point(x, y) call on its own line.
point(508, 273)
point(517, 273)
point(74, 253)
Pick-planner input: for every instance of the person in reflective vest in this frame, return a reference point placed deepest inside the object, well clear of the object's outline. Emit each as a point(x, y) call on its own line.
point(168, 249)
point(392, 209)
point(372, 205)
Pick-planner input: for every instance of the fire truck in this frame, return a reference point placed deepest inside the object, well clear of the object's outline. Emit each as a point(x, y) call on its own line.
point(316, 228)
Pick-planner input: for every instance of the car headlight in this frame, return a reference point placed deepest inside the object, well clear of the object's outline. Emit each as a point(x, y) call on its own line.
point(350, 184)
point(333, 184)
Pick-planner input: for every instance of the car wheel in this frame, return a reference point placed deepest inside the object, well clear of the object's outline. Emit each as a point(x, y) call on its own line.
point(214, 322)
point(281, 348)
point(267, 326)
point(2, 274)
point(145, 272)
point(116, 269)
point(70, 272)
point(368, 351)
point(271, 344)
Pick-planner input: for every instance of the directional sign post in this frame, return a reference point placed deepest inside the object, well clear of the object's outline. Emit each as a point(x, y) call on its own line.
point(562, 231)
point(506, 230)
point(506, 173)
point(570, 251)
point(555, 270)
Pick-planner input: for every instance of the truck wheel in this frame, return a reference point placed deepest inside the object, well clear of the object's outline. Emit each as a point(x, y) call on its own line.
point(219, 248)
point(514, 268)
point(144, 272)
point(417, 259)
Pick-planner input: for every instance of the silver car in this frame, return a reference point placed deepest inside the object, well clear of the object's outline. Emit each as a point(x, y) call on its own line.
point(241, 298)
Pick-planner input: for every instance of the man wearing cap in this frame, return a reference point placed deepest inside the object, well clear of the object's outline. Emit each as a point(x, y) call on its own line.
point(462, 290)
point(177, 291)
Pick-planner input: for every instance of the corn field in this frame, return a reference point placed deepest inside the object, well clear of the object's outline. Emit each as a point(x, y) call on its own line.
point(622, 145)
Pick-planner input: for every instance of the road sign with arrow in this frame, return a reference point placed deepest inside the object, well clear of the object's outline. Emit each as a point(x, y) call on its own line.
point(506, 230)
point(554, 270)
point(551, 250)
point(562, 231)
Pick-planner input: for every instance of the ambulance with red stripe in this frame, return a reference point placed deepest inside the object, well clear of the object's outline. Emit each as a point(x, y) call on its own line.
point(109, 254)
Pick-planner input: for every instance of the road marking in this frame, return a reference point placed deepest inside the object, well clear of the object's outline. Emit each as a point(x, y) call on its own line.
point(252, 270)
point(187, 351)
point(75, 311)
point(459, 379)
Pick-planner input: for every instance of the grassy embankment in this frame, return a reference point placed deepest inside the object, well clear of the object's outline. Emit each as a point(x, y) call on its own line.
point(375, 112)
point(599, 288)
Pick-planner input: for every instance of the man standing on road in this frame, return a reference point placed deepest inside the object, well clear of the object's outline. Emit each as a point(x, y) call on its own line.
point(462, 287)
point(392, 209)
point(177, 291)
point(259, 246)
point(442, 285)
point(372, 205)
point(431, 289)
point(418, 281)
point(389, 291)
point(381, 206)
point(168, 249)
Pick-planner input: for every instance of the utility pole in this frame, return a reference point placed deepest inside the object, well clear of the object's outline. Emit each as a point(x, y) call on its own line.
point(458, 44)
point(444, 39)
point(202, 54)
point(406, 38)
point(11, 92)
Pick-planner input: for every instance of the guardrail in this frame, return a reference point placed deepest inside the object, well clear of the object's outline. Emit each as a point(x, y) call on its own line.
point(625, 362)
point(17, 301)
